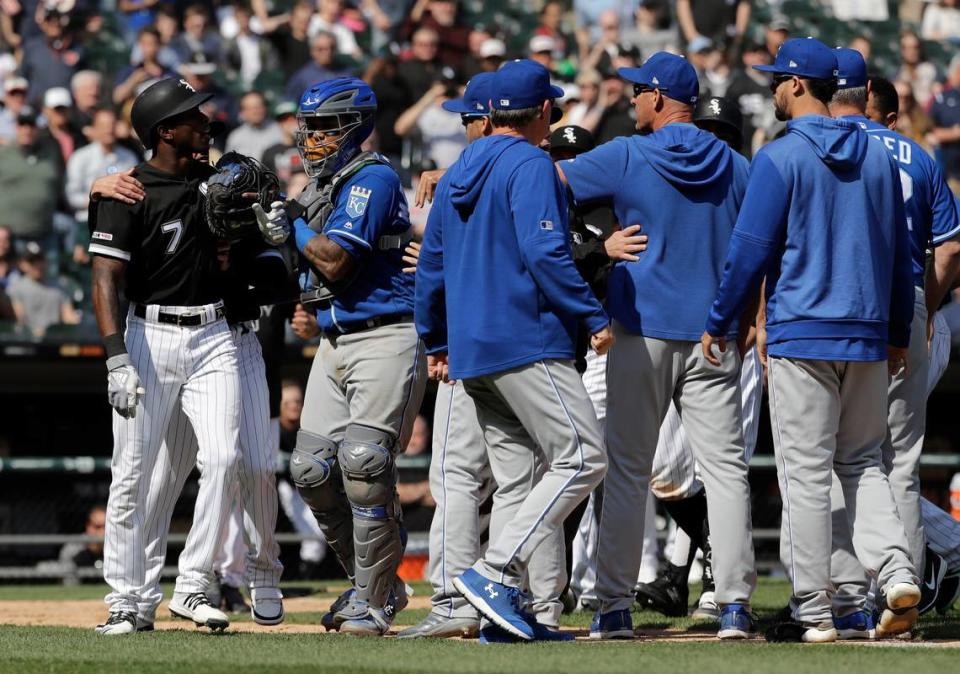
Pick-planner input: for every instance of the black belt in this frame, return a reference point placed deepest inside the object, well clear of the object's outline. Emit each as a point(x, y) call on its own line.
point(181, 320)
point(370, 323)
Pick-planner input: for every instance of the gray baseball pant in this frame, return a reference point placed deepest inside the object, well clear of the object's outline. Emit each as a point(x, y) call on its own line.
point(643, 375)
point(538, 408)
point(906, 424)
point(828, 416)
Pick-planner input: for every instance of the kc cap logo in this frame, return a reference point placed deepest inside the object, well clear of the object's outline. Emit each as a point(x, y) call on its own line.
point(357, 201)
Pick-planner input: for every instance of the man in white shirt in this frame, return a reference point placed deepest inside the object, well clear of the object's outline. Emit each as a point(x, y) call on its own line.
point(258, 132)
point(102, 156)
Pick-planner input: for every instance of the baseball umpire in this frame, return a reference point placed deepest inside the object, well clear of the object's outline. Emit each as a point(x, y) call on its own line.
point(368, 376)
point(177, 351)
point(832, 320)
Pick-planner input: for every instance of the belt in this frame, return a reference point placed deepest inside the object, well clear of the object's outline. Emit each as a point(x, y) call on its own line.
point(187, 320)
point(370, 323)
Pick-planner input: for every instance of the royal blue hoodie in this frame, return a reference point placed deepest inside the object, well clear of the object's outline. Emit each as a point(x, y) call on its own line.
point(684, 187)
point(496, 284)
point(823, 219)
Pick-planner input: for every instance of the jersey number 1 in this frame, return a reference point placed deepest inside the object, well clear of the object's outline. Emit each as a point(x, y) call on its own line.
point(177, 228)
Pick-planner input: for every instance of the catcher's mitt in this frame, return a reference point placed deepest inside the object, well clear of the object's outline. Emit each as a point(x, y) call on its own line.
point(239, 183)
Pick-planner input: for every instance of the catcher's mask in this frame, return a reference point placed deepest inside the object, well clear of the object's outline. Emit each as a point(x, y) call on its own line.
point(230, 214)
point(334, 118)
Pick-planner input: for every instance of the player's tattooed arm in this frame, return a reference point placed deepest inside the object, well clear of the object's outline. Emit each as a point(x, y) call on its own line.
point(107, 275)
point(328, 257)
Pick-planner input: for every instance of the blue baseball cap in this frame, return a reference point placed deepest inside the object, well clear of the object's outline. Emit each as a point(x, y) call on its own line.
point(475, 99)
point(851, 68)
point(521, 84)
point(804, 57)
point(671, 74)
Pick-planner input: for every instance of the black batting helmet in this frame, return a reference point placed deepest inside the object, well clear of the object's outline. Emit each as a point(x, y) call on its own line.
point(163, 100)
point(722, 117)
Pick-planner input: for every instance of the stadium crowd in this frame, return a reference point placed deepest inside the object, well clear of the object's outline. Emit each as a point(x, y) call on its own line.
point(70, 70)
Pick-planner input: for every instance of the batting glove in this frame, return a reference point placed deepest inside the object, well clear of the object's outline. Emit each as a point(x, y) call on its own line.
point(124, 388)
point(275, 225)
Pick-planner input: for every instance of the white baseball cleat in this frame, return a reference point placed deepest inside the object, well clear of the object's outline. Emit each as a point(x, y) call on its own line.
point(266, 605)
point(707, 608)
point(196, 607)
point(899, 613)
point(119, 622)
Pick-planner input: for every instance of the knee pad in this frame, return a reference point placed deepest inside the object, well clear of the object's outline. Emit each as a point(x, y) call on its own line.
point(369, 472)
point(313, 469)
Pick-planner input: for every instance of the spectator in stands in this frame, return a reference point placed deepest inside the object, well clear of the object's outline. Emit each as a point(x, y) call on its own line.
point(50, 59)
point(74, 556)
point(196, 35)
point(414, 486)
point(778, 32)
point(751, 90)
point(292, 41)
point(323, 66)
point(614, 114)
point(168, 25)
point(101, 156)
point(652, 31)
point(916, 69)
point(471, 62)
point(37, 303)
point(283, 158)
point(247, 54)
point(14, 98)
point(422, 69)
point(198, 71)
point(138, 14)
point(587, 13)
point(912, 120)
point(491, 55)
point(442, 17)
point(441, 132)
point(291, 406)
point(541, 49)
point(257, 132)
point(85, 87)
point(147, 68)
point(57, 104)
point(862, 44)
point(945, 113)
point(551, 25)
point(329, 18)
point(588, 82)
point(106, 52)
point(28, 176)
point(604, 50)
point(722, 21)
point(941, 21)
point(393, 97)
point(8, 258)
point(711, 66)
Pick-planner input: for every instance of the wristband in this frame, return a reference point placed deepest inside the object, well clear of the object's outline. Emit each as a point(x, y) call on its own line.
point(303, 233)
point(114, 345)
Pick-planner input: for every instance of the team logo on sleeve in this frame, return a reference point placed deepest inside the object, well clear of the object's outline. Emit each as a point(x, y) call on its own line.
point(357, 201)
point(547, 225)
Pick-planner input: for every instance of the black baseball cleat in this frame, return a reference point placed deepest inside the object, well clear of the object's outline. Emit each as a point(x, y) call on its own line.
point(668, 594)
point(949, 592)
point(934, 569)
point(231, 599)
point(792, 631)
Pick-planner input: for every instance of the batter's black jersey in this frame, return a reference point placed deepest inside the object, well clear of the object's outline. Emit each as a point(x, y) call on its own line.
point(170, 251)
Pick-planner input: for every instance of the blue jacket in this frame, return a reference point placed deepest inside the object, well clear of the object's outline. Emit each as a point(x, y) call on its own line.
point(370, 205)
point(823, 220)
point(928, 201)
point(496, 284)
point(684, 187)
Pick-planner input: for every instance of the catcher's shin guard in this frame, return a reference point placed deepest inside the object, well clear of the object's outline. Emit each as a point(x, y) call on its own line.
point(369, 479)
point(316, 473)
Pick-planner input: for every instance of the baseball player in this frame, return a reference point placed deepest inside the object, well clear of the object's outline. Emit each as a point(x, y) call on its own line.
point(832, 321)
point(501, 318)
point(177, 352)
point(932, 223)
point(461, 478)
point(368, 376)
point(685, 187)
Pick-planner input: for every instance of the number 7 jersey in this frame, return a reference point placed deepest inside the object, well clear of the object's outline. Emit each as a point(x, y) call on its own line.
point(164, 239)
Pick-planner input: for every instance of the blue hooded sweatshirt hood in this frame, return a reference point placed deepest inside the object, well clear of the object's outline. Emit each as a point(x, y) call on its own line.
point(469, 175)
point(688, 157)
point(838, 143)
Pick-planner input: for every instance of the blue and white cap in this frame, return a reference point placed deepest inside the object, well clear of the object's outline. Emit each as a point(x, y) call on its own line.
point(851, 68)
point(475, 99)
point(804, 57)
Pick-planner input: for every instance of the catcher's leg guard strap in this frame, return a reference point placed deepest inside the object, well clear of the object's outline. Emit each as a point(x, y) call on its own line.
point(316, 473)
point(369, 479)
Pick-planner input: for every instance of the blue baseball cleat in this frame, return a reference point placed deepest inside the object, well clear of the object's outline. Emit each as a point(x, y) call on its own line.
point(612, 625)
point(544, 633)
point(499, 603)
point(859, 625)
point(491, 634)
point(735, 622)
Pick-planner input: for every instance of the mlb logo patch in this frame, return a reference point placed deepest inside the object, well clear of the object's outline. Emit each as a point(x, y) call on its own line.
point(547, 225)
point(357, 201)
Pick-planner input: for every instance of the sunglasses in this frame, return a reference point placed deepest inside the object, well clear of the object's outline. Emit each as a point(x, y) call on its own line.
point(641, 89)
point(466, 120)
point(778, 80)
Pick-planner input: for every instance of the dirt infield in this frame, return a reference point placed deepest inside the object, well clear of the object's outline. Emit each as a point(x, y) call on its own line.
point(88, 612)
